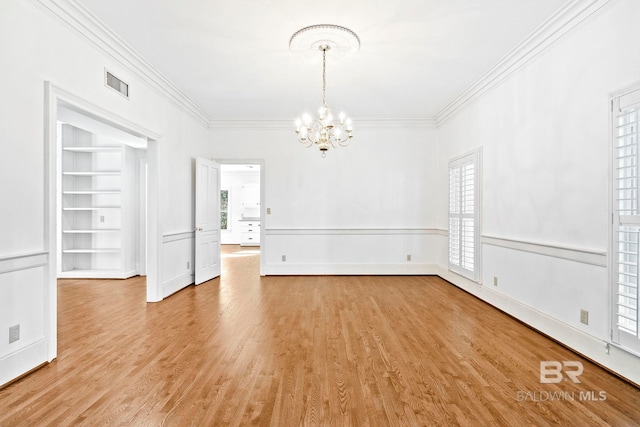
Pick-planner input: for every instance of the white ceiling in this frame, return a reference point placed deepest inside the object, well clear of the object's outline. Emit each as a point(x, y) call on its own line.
point(232, 56)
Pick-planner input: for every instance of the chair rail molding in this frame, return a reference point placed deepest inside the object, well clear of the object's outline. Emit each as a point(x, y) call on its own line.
point(586, 256)
point(25, 261)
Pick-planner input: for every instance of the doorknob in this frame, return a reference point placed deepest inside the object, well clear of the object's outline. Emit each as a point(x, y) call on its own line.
point(197, 229)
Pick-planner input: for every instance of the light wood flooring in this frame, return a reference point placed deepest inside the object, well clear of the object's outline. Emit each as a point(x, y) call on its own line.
point(289, 351)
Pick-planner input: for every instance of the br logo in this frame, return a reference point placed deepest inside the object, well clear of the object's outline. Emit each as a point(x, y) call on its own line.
point(553, 372)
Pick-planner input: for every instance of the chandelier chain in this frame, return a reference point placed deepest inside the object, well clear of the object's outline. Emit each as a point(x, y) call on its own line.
point(324, 77)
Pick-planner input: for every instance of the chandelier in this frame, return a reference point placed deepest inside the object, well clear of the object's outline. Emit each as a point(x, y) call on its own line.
point(325, 131)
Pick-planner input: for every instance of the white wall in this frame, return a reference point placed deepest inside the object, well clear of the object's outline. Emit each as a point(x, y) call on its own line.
point(545, 138)
point(377, 195)
point(36, 47)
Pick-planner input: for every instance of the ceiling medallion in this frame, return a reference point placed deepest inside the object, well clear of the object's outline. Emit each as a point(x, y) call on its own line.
point(324, 131)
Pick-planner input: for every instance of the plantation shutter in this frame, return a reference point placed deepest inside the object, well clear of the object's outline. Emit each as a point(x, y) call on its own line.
point(626, 224)
point(463, 215)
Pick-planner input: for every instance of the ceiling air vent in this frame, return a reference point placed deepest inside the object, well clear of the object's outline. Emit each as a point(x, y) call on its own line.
point(115, 83)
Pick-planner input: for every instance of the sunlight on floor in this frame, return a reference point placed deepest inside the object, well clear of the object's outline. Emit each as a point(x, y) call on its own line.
point(241, 253)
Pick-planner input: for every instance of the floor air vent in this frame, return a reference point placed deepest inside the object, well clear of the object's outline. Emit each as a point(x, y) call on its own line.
point(115, 83)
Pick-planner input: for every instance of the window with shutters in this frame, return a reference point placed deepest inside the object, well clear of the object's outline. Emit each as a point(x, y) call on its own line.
point(464, 215)
point(626, 220)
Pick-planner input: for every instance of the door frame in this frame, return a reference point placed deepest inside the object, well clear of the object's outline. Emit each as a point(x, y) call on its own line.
point(263, 209)
point(55, 95)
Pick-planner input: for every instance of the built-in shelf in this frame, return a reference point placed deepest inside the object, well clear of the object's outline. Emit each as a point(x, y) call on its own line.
point(96, 185)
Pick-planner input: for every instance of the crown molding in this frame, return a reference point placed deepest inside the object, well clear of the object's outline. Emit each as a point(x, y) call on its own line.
point(92, 29)
point(395, 123)
point(89, 26)
point(240, 124)
point(564, 20)
point(362, 123)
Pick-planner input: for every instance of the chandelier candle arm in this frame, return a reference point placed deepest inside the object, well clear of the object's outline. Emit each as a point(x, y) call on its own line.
point(322, 131)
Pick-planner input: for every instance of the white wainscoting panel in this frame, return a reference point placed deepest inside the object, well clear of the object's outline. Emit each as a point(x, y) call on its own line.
point(23, 282)
point(177, 262)
point(354, 251)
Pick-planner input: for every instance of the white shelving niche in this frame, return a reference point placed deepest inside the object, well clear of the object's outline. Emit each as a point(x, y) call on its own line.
point(97, 203)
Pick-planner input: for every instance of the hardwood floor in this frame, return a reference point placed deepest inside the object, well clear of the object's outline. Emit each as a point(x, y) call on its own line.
point(319, 350)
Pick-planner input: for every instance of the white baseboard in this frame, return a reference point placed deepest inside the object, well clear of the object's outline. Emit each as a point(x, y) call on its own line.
point(284, 269)
point(175, 284)
point(22, 360)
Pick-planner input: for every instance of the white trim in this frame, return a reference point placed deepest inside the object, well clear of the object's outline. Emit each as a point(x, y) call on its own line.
point(241, 124)
point(23, 261)
point(23, 360)
point(78, 17)
point(173, 237)
point(304, 269)
point(363, 123)
point(395, 123)
point(558, 25)
point(97, 274)
point(353, 231)
point(80, 105)
point(586, 256)
point(177, 283)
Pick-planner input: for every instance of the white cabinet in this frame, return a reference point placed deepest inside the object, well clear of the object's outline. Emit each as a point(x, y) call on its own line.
point(250, 233)
point(251, 196)
point(96, 224)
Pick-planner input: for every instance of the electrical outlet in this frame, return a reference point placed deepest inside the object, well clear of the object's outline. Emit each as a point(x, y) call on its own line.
point(14, 333)
point(408, 257)
point(188, 265)
point(268, 211)
point(284, 258)
point(584, 316)
point(495, 280)
point(101, 218)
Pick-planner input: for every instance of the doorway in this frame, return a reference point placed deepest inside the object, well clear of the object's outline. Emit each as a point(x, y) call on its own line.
point(56, 99)
point(101, 185)
point(242, 207)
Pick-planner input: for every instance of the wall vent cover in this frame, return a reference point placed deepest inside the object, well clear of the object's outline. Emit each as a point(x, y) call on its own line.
point(115, 83)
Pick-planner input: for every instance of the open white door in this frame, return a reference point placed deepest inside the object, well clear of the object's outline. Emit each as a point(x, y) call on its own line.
point(207, 250)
